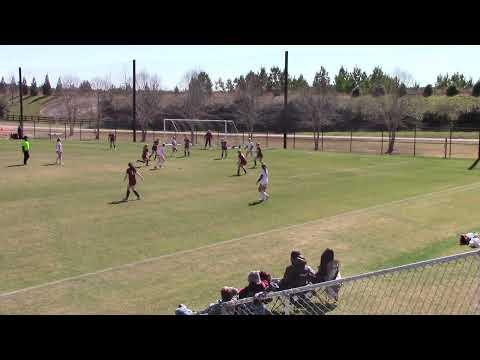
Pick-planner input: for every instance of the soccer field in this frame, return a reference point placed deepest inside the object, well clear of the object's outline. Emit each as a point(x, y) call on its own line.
point(65, 248)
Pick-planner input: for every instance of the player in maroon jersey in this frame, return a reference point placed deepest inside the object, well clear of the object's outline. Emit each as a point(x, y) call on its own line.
point(242, 161)
point(186, 146)
point(131, 173)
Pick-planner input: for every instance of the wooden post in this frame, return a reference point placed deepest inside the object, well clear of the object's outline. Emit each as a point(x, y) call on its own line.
point(351, 135)
point(65, 131)
point(285, 100)
point(445, 156)
point(20, 90)
point(80, 130)
point(415, 141)
point(134, 112)
point(293, 139)
point(267, 138)
point(50, 129)
point(381, 149)
point(478, 154)
point(450, 150)
point(322, 139)
point(33, 128)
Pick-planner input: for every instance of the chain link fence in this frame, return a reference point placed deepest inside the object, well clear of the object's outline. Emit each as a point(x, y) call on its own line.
point(447, 285)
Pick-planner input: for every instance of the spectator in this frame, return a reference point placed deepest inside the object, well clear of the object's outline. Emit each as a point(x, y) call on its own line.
point(217, 308)
point(298, 273)
point(255, 285)
point(329, 269)
point(183, 310)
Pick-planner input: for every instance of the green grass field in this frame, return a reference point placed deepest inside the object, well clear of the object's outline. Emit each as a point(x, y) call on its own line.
point(194, 231)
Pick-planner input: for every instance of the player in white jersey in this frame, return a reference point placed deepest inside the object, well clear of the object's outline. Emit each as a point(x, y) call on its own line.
point(174, 145)
point(161, 156)
point(263, 183)
point(250, 148)
point(59, 151)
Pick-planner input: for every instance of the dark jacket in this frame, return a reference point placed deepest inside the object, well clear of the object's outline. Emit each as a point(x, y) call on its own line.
point(252, 289)
point(298, 274)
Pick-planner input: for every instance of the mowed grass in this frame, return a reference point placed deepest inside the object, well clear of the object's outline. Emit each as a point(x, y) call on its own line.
point(57, 222)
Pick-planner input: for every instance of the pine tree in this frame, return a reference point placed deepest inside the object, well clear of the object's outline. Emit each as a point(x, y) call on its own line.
point(321, 79)
point(24, 87)
point(476, 89)
point(59, 87)
point(3, 86)
point(46, 88)
point(176, 90)
point(428, 91)
point(33, 88)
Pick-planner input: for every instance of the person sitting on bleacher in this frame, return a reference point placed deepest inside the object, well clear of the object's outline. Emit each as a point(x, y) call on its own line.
point(329, 269)
point(227, 294)
point(298, 273)
point(255, 285)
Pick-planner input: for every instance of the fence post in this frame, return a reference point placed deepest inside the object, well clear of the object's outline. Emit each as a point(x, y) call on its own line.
point(243, 137)
point(351, 135)
point(33, 128)
point(115, 133)
point(450, 149)
point(415, 141)
point(322, 139)
point(478, 156)
point(80, 131)
point(50, 129)
point(65, 131)
point(381, 149)
point(445, 156)
point(267, 138)
point(294, 138)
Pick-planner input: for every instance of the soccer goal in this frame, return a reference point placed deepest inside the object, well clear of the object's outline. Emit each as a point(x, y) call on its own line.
point(197, 129)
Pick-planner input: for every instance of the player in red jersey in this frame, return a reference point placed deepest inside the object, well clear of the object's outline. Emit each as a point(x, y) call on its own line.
point(145, 155)
point(224, 148)
point(259, 156)
point(131, 173)
point(242, 161)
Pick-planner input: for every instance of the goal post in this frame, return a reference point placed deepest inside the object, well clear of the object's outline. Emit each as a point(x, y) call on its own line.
point(226, 128)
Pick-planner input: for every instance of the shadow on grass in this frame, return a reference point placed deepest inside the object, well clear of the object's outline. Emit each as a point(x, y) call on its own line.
point(218, 159)
point(38, 99)
point(9, 166)
point(121, 201)
point(255, 203)
point(474, 164)
point(52, 164)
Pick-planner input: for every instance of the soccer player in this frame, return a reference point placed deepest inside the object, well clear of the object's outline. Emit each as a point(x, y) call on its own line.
point(161, 156)
point(242, 161)
point(132, 181)
point(174, 145)
point(154, 149)
point(250, 147)
point(59, 151)
point(111, 138)
point(224, 148)
point(145, 154)
point(259, 156)
point(263, 180)
point(208, 139)
point(186, 146)
point(25, 149)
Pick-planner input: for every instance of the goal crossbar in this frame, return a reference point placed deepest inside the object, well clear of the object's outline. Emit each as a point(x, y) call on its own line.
point(226, 122)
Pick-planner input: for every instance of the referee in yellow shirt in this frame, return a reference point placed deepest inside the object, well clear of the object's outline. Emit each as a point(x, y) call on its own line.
point(25, 149)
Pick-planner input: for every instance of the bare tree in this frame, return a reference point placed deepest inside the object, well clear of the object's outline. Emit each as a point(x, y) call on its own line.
point(102, 89)
point(392, 110)
point(148, 99)
point(196, 95)
point(404, 77)
point(247, 99)
point(70, 99)
point(320, 108)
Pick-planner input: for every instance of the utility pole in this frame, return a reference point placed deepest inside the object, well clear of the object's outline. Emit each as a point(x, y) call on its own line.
point(134, 112)
point(20, 88)
point(285, 101)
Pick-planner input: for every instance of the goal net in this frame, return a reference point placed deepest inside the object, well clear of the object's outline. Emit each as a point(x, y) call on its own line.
point(196, 130)
point(446, 285)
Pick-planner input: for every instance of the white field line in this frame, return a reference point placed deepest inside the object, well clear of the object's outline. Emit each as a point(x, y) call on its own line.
point(311, 222)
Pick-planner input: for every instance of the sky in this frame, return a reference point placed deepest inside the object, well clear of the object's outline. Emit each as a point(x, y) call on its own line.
point(170, 63)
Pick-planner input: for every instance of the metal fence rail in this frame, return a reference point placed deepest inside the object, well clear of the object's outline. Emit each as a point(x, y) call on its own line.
point(446, 285)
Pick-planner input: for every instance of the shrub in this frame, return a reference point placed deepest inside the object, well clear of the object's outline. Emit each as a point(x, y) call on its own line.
point(356, 92)
point(402, 90)
point(476, 89)
point(378, 90)
point(428, 91)
point(452, 90)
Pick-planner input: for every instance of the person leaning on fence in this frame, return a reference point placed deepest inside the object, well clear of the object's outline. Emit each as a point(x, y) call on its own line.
point(329, 269)
point(298, 273)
